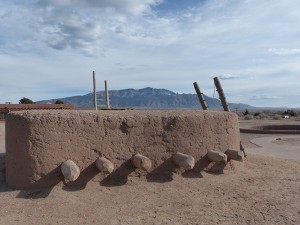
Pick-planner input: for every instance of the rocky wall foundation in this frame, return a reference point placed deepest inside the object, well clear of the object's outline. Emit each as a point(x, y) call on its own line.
point(38, 142)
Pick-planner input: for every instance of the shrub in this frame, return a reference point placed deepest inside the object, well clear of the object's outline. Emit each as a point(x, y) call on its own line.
point(25, 101)
point(58, 101)
point(290, 112)
point(248, 117)
point(276, 117)
point(263, 116)
point(246, 112)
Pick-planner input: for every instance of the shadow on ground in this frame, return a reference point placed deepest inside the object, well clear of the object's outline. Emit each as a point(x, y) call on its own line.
point(199, 167)
point(85, 176)
point(35, 194)
point(163, 173)
point(119, 176)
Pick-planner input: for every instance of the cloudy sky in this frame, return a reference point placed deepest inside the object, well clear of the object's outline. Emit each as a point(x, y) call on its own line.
point(49, 48)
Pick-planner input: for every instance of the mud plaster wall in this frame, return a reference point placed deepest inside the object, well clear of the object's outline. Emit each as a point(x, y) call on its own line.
point(37, 142)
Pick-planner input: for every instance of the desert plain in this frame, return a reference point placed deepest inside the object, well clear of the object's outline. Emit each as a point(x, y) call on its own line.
point(265, 189)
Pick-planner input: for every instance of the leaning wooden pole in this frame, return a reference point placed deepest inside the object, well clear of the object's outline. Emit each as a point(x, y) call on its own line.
point(95, 91)
point(106, 95)
point(200, 96)
point(221, 94)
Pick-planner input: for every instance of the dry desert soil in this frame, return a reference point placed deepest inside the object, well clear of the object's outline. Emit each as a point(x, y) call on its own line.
point(265, 189)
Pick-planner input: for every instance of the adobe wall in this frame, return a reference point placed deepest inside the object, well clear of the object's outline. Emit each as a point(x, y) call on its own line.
point(37, 142)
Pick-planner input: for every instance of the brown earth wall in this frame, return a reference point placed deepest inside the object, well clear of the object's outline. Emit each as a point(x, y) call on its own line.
point(37, 142)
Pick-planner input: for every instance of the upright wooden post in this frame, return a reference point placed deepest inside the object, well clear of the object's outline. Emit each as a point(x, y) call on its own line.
point(95, 91)
point(221, 94)
point(200, 96)
point(106, 95)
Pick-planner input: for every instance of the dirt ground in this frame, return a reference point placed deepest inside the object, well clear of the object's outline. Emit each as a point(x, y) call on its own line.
point(263, 190)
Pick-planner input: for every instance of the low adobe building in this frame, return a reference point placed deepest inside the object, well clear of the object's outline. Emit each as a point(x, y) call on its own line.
point(39, 141)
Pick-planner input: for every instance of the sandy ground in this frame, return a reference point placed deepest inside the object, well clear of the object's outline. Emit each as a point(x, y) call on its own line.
point(263, 190)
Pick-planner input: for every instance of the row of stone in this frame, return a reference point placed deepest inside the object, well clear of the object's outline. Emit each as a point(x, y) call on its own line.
point(71, 171)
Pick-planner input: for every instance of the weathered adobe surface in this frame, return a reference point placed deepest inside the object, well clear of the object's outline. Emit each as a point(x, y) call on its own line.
point(38, 142)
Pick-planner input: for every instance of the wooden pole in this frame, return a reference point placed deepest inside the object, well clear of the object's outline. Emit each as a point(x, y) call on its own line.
point(221, 94)
point(95, 91)
point(200, 96)
point(106, 95)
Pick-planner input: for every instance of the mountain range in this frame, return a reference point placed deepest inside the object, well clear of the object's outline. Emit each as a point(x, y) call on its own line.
point(150, 98)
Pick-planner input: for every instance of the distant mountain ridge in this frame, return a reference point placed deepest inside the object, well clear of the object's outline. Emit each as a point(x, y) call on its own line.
point(151, 98)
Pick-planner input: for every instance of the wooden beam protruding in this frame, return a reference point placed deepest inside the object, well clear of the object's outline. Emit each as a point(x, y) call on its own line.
point(95, 91)
point(106, 95)
point(221, 94)
point(200, 96)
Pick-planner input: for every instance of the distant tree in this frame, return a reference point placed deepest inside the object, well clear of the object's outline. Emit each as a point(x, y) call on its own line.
point(58, 101)
point(246, 112)
point(25, 101)
point(290, 112)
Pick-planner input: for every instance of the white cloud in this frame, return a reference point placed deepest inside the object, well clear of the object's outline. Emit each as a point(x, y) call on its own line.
point(264, 97)
point(130, 7)
point(285, 51)
point(228, 77)
point(76, 33)
point(133, 44)
point(78, 24)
